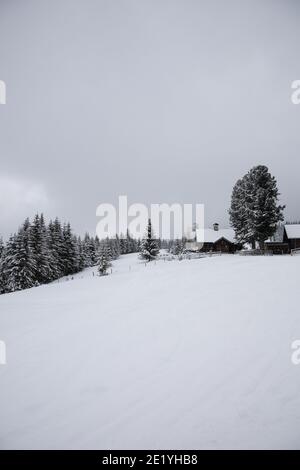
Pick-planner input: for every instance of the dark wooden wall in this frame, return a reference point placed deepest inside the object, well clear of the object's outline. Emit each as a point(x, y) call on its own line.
point(222, 245)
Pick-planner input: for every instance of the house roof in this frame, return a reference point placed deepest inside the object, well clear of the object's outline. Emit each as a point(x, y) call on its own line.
point(212, 236)
point(292, 230)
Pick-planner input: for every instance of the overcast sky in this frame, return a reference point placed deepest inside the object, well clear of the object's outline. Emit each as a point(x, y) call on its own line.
point(161, 100)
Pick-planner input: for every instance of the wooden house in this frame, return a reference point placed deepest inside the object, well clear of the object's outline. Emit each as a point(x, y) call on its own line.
point(292, 236)
point(285, 240)
point(213, 240)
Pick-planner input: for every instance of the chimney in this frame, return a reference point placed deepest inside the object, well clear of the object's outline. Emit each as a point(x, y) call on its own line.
point(216, 227)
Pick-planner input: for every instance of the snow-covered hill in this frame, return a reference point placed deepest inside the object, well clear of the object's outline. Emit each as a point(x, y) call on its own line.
point(181, 354)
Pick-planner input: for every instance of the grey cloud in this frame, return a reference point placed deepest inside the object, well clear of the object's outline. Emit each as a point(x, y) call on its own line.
point(165, 101)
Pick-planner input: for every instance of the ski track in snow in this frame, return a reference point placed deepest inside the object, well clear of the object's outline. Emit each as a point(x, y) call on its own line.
point(181, 354)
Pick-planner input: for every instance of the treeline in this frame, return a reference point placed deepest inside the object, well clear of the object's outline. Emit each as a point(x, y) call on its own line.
point(40, 253)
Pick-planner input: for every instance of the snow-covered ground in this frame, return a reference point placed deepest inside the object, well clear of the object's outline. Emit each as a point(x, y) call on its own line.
point(181, 354)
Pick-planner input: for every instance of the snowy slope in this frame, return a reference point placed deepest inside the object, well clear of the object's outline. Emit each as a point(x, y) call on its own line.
point(181, 354)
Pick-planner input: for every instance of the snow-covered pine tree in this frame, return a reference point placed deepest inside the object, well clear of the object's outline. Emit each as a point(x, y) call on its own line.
point(19, 265)
point(86, 251)
point(96, 247)
point(178, 247)
point(76, 259)
point(113, 248)
point(39, 249)
point(8, 263)
point(104, 262)
point(266, 211)
point(254, 212)
point(123, 245)
point(138, 245)
point(107, 249)
point(131, 243)
point(80, 255)
point(69, 251)
point(239, 212)
point(149, 247)
point(2, 258)
point(25, 276)
point(54, 244)
point(1, 246)
point(90, 250)
point(117, 245)
point(49, 270)
point(93, 251)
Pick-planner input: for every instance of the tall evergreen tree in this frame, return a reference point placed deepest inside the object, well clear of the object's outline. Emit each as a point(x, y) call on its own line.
point(123, 245)
point(39, 249)
point(80, 255)
point(117, 244)
point(69, 253)
point(8, 265)
point(113, 249)
point(2, 276)
point(131, 245)
point(241, 206)
point(54, 244)
point(104, 262)
point(149, 247)
point(19, 264)
point(266, 211)
point(90, 251)
point(254, 212)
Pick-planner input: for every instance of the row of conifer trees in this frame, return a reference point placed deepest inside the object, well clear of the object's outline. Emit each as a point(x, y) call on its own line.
point(39, 253)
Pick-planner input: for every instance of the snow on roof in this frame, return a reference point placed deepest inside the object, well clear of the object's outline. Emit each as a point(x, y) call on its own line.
point(212, 236)
point(292, 230)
